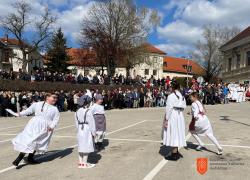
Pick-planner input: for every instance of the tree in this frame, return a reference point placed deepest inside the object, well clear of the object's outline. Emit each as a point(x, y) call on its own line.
point(19, 24)
point(207, 50)
point(115, 28)
point(57, 52)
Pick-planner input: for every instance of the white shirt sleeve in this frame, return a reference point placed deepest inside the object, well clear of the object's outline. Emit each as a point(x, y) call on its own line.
point(29, 111)
point(195, 110)
point(169, 107)
point(55, 119)
point(91, 122)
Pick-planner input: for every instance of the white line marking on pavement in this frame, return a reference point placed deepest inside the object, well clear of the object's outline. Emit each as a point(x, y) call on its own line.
point(10, 134)
point(50, 154)
point(225, 145)
point(5, 140)
point(159, 166)
point(126, 127)
point(10, 127)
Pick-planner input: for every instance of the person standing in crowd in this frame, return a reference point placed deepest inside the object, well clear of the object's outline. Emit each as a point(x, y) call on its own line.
point(37, 134)
point(225, 94)
point(136, 98)
point(149, 98)
point(174, 125)
point(142, 98)
point(200, 124)
point(86, 132)
point(61, 100)
point(100, 120)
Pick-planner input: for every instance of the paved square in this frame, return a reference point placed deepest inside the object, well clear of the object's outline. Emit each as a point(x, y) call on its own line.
point(133, 148)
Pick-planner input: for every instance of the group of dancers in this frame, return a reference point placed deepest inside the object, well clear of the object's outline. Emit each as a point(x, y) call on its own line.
point(174, 123)
point(90, 123)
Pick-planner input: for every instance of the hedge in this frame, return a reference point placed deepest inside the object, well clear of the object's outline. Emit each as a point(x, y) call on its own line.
point(19, 85)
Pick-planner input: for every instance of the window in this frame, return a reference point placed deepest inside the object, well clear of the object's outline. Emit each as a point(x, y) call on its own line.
point(146, 72)
point(155, 60)
point(154, 72)
point(6, 56)
point(248, 58)
point(237, 61)
point(165, 64)
point(188, 67)
point(229, 64)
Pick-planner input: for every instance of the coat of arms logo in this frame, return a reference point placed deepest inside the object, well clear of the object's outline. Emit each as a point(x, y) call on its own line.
point(201, 165)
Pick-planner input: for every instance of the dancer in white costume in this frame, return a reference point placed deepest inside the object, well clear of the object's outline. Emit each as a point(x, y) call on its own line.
point(100, 120)
point(37, 134)
point(174, 132)
point(200, 124)
point(86, 132)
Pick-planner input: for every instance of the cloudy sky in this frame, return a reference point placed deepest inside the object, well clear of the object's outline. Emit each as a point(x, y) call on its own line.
point(180, 28)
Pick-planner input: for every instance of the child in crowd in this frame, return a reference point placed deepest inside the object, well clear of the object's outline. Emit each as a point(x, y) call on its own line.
point(200, 124)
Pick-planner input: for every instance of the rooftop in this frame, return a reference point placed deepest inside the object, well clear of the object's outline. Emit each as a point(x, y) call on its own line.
point(179, 65)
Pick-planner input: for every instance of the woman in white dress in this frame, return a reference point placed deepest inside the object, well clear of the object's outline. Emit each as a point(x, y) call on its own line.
point(86, 132)
point(37, 133)
point(174, 132)
point(100, 120)
point(200, 124)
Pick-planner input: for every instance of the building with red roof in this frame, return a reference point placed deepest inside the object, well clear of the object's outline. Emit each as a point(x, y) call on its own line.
point(181, 67)
point(11, 55)
point(236, 63)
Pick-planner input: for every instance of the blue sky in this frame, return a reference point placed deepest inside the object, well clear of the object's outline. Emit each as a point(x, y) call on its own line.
point(180, 28)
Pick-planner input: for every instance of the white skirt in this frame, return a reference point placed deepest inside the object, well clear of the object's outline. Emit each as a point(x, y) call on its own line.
point(174, 134)
point(34, 137)
point(203, 126)
point(85, 140)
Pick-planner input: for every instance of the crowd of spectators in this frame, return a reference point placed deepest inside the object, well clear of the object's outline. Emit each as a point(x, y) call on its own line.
point(43, 75)
point(118, 98)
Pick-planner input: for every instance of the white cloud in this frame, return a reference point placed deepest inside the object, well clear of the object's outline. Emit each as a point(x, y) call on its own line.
point(191, 15)
point(180, 32)
point(175, 49)
point(69, 18)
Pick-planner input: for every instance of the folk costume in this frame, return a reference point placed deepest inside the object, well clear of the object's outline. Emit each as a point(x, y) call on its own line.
point(100, 122)
point(86, 130)
point(200, 125)
point(174, 134)
point(35, 137)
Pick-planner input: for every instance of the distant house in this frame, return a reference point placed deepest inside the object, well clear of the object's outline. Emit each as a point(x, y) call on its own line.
point(181, 67)
point(84, 61)
point(4, 56)
point(11, 58)
point(236, 63)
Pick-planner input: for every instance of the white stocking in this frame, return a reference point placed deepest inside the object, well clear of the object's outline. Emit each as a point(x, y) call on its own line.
point(214, 140)
point(196, 137)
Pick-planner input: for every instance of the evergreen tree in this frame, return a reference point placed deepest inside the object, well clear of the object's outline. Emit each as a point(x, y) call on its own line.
point(57, 54)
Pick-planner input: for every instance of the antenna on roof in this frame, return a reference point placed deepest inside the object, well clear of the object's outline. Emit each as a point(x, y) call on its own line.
point(6, 37)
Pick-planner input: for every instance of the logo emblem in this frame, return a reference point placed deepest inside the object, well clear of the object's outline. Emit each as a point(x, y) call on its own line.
point(201, 165)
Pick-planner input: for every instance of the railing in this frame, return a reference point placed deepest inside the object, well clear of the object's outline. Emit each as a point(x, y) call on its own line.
point(236, 72)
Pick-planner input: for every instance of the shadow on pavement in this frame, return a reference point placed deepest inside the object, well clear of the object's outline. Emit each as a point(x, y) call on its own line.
point(164, 150)
point(226, 118)
point(49, 156)
point(193, 146)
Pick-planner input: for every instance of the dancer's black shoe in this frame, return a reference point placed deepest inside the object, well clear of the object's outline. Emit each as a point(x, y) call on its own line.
point(18, 159)
point(172, 157)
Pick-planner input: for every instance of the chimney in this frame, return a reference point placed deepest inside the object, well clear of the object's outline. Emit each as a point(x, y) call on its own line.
point(6, 39)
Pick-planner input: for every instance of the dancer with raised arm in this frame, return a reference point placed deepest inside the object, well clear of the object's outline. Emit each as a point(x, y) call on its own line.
point(37, 133)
